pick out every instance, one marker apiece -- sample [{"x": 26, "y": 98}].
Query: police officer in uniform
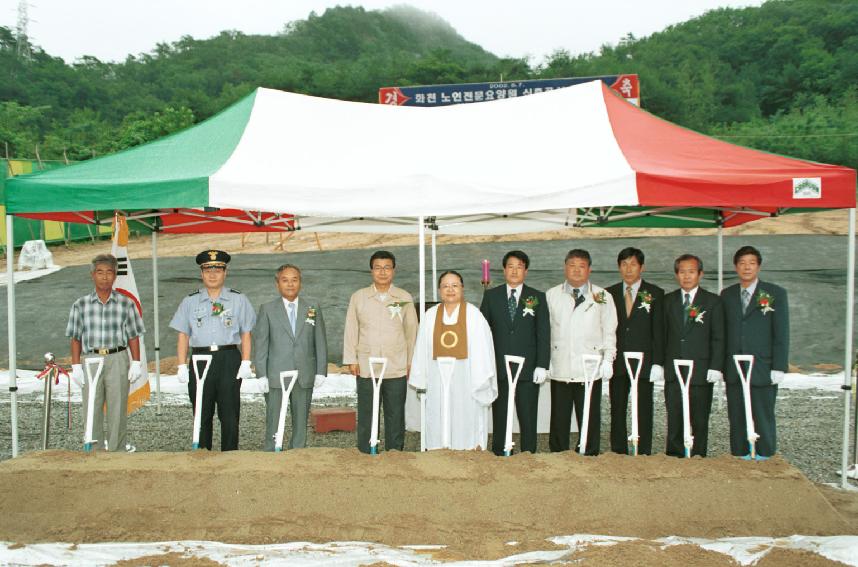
[{"x": 216, "y": 320}]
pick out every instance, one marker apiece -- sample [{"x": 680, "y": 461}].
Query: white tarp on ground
[
  {"x": 744, "y": 550},
  {"x": 519, "y": 156}
]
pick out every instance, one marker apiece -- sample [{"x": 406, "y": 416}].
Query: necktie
[
  {"x": 579, "y": 298},
  {"x": 629, "y": 301},
  {"x": 746, "y": 299},
  {"x": 292, "y": 316},
  {"x": 511, "y": 305},
  {"x": 686, "y": 303}
]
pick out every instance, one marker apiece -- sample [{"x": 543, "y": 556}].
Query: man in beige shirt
[{"x": 381, "y": 321}]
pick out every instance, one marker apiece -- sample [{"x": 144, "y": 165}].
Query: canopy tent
[{"x": 578, "y": 156}]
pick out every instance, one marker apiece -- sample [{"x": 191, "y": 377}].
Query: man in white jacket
[{"x": 583, "y": 321}]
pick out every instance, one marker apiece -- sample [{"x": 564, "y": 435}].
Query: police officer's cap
[{"x": 217, "y": 258}]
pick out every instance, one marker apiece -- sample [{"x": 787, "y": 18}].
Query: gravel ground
[{"x": 810, "y": 428}]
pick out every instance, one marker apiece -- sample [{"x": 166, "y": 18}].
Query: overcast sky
[{"x": 112, "y": 29}]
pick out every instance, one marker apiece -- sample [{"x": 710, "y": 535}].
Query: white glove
[
  {"x": 77, "y": 375},
  {"x": 606, "y": 370},
  {"x": 182, "y": 375},
  {"x": 713, "y": 376},
  {"x": 262, "y": 385},
  {"x": 319, "y": 381},
  {"x": 244, "y": 370},
  {"x": 135, "y": 371},
  {"x": 539, "y": 375},
  {"x": 656, "y": 374},
  {"x": 777, "y": 377}
]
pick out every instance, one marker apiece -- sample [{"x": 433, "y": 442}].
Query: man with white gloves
[
  {"x": 694, "y": 323},
  {"x": 289, "y": 335},
  {"x": 756, "y": 315},
  {"x": 216, "y": 321},
  {"x": 106, "y": 324},
  {"x": 640, "y": 328},
  {"x": 518, "y": 317},
  {"x": 583, "y": 321}
]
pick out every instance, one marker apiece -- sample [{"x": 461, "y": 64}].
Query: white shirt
[
  {"x": 518, "y": 290},
  {"x": 692, "y": 293}
]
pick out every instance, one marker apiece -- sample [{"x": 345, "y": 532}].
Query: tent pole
[
  {"x": 434, "y": 268},
  {"x": 847, "y": 366},
  {"x": 720, "y": 258},
  {"x": 13, "y": 351},
  {"x": 421, "y": 232},
  {"x": 157, "y": 322}
]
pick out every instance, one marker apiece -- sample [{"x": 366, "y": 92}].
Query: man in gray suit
[{"x": 289, "y": 335}]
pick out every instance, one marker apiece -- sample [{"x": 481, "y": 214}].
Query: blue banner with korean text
[{"x": 442, "y": 95}]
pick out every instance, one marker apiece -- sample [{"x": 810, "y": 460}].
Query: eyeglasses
[
  {"x": 451, "y": 286},
  {"x": 382, "y": 268},
  {"x": 213, "y": 269}
]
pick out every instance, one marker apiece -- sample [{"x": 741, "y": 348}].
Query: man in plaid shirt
[{"x": 106, "y": 323}]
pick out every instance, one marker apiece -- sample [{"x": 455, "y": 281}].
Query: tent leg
[
  {"x": 434, "y": 269},
  {"x": 720, "y": 258},
  {"x": 13, "y": 351},
  {"x": 421, "y": 232},
  {"x": 157, "y": 322},
  {"x": 847, "y": 366}
]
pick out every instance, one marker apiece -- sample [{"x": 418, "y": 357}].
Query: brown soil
[
  {"x": 173, "y": 245},
  {"x": 472, "y": 502}
]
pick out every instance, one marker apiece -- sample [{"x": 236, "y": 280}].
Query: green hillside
[{"x": 782, "y": 77}]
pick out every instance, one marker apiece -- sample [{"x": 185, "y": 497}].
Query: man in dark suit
[
  {"x": 694, "y": 330},
  {"x": 640, "y": 328},
  {"x": 518, "y": 317},
  {"x": 757, "y": 322}
]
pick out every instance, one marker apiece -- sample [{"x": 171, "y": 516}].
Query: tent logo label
[{"x": 807, "y": 188}]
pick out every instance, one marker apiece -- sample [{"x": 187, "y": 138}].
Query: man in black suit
[
  {"x": 640, "y": 328},
  {"x": 518, "y": 317},
  {"x": 757, "y": 323},
  {"x": 694, "y": 329}
]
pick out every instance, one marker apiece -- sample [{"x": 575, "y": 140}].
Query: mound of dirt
[{"x": 472, "y": 502}]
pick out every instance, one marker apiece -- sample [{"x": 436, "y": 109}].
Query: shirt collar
[
  {"x": 204, "y": 296},
  {"x": 286, "y": 302},
  {"x": 751, "y": 288},
  {"x": 518, "y": 289},
  {"x": 692, "y": 293},
  {"x": 635, "y": 287},
  {"x": 567, "y": 287},
  {"x": 93, "y": 297}
]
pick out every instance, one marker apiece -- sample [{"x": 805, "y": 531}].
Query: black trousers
[
  {"x": 762, "y": 410},
  {"x": 392, "y": 401},
  {"x": 565, "y": 396},
  {"x": 526, "y": 408},
  {"x": 620, "y": 392},
  {"x": 700, "y": 398},
  {"x": 221, "y": 389}
]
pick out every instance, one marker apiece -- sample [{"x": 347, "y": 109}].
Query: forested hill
[{"x": 782, "y": 77}]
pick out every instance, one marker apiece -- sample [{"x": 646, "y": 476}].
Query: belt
[
  {"x": 103, "y": 351},
  {"x": 212, "y": 348}
]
